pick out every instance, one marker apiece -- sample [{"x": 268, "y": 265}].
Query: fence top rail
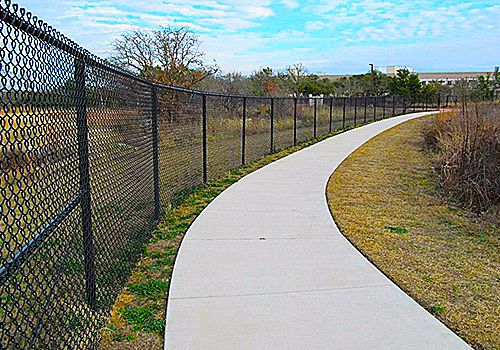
[{"x": 20, "y": 18}]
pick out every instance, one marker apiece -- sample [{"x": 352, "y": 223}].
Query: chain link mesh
[
  {"x": 322, "y": 116},
  {"x": 180, "y": 143},
  {"x": 258, "y": 128},
  {"x": 305, "y": 119},
  {"x": 224, "y": 129},
  {"x": 283, "y": 133},
  {"x": 337, "y": 108},
  {"x": 90, "y": 153},
  {"x": 349, "y": 112}
]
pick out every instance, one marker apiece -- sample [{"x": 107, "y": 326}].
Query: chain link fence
[{"x": 89, "y": 156}]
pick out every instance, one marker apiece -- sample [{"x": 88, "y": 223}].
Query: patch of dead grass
[{"x": 386, "y": 201}]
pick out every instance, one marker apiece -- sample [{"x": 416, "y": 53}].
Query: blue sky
[{"x": 335, "y": 36}]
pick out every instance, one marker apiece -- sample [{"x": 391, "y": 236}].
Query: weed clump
[{"x": 467, "y": 146}]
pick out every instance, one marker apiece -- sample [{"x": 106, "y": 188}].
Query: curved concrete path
[{"x": 265, "y": 267}]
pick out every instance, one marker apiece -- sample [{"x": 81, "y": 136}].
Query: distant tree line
[{"x": 172, "y": 55}]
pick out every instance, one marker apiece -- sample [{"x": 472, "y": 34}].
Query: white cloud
[
  {"x": 105, "y": 11},
  {"x": 315, "y": 25},
  {"x": 257, "y": 11},
  {"x": 203, "y": 16},
  {"x": 368, "y": 20},
  {"x": 293, "y": 4},
  {"x": 156, "y": 20},
  {"x": 229, "y": 24},
  {"x": 339, "y": 34}
]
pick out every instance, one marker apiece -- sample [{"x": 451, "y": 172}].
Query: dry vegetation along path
[{"x": 388, "y": 204}]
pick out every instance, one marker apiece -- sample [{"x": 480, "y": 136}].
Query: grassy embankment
[{"x": 387, "y": 202}]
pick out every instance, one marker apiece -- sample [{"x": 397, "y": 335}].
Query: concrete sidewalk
[{"x": 265, "y": 267}]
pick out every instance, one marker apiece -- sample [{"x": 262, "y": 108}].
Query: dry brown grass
[
  {"x": 467, "y": 144},
  {"x": 385, "y": 200}
]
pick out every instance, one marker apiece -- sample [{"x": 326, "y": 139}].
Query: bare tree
[
  {"x": 167, "y": 55},
  {"x": 135, "y": 51},
  {"x": 296, "y": 75}
]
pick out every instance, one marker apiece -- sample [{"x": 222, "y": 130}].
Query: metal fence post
[
  {"x": 355, "y": 109},
  {"x": 374, "y": 107},
  {"x": 447, "y": 100},
  {"x": 393, "y": 106},
  {"x": 156, "y": 167},
  {"x": 83, "y": 167},
  {"x": 272, "y": 125},
  {"x": 366, "y": 107},
  {"x": 343, "y": 112},
  {"x": 243, "y": 131},
  {"x": 295, "y": 121},
  {"x": 315, "y": 116},
  {"x": 438, "y": 101},
  {"x": 404, "y": 105},
  {"x": 204, "y": 136},
  {"x": 331, "y": 115},
  {"x": 383, "y": 107}
]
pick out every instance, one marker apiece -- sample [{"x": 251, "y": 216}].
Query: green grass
[
  {"x": 143, "y": 318},
  {"x": 397, "y": 229},
  {"x": 437, "y": 309},
  {"x": 150, "y": 289},
  {"x": 389, "y": 205}
]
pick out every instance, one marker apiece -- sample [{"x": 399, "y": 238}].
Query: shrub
[{"x": 467, "y": 145}]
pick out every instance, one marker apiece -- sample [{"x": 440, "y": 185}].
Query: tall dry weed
[{"x": 467, "y": 144}]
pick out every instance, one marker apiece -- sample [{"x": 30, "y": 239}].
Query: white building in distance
[{"x": 446, "y": 78}]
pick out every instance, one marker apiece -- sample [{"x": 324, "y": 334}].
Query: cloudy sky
[{"x": 330, "y": 36}]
